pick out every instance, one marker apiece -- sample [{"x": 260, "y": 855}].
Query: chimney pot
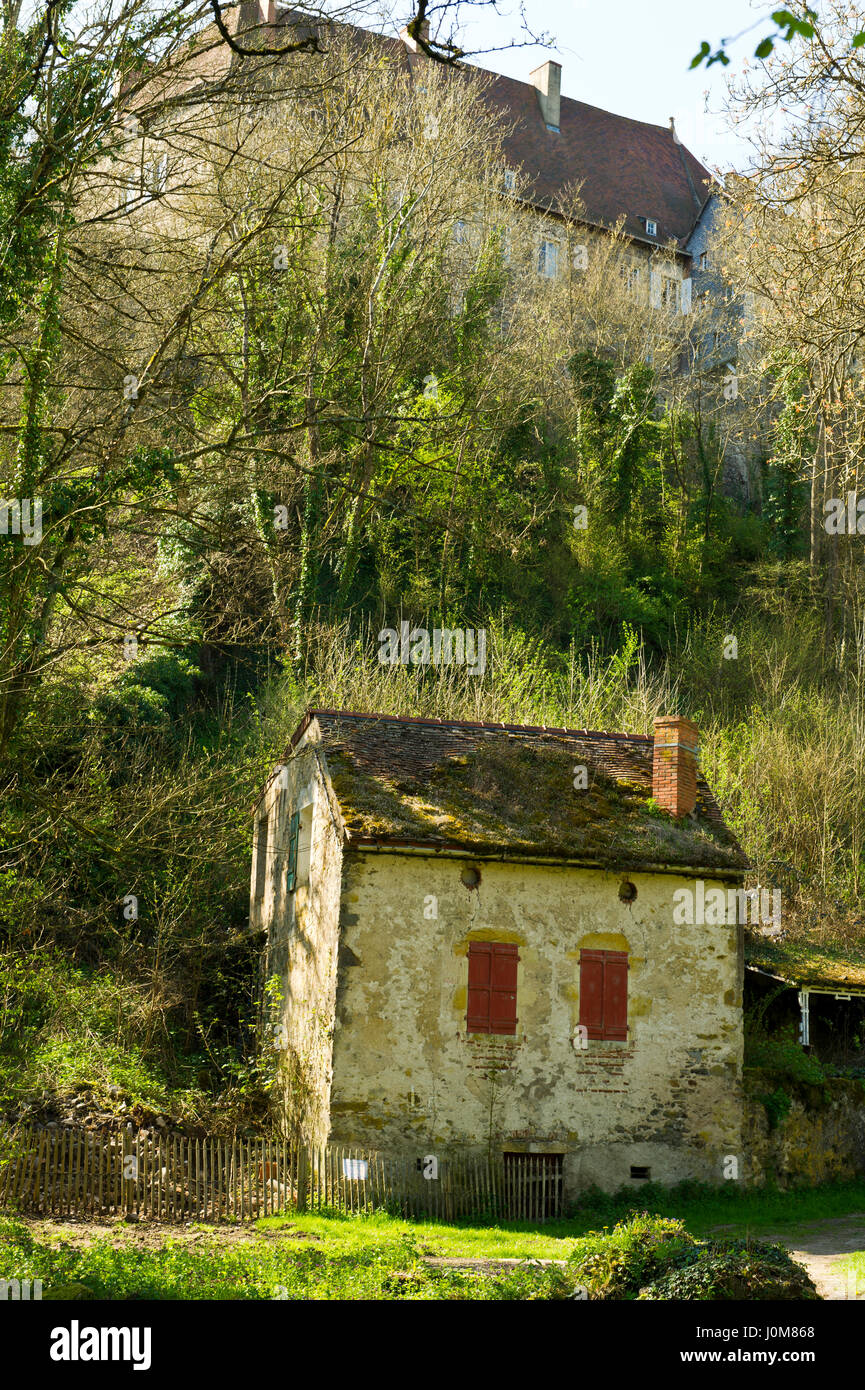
[
  {"x": 547, "y": 79},
  {"x": 412, "y": 44},
  {"x": 674, "y": 764}
]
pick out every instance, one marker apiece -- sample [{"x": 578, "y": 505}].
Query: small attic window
[
  {"x": 651, "y": 227},
  {"x": 509, "y": 178}
]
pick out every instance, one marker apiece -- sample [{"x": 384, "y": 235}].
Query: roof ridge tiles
[{"x": 437, "y": 722}]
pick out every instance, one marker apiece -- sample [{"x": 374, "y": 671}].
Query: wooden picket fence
[{"x": 172, "y": 1178}]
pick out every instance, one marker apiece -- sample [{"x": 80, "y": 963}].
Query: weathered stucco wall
[
  {"x": 407, "y": 1077},
  {"x": 821, "y": 1139},
  {"x": 303, "y": 941}
]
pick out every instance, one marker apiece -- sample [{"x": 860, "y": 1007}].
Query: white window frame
[
  {"x": 651, "y": 227},
  {"x": 509, "y": 180},
  {"x": 262, "y": 857},
  {"x": 548, "y": 265},
  {"x": 631, "y": 277},
  {"x": 304, "y": 843},
  {"x": 671, "y": 293}
]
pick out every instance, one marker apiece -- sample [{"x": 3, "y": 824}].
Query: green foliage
[
  {"x": 737, "y": 1270},
  {"x": 783, "y": 1053},
  {"x": 149, "y": 698},
  {"x": 777, "y": 1105},
  {"x": 616, "y": 1264},
  {"x": 651, "y": 1257}
]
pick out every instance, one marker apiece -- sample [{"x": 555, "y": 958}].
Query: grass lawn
[{"x": 330, "y": 1255}]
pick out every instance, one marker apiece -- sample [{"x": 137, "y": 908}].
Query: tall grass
[{"x": 782, "y": 728}]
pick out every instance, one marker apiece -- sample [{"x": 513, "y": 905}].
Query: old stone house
[{"x": 473, "y": 935}]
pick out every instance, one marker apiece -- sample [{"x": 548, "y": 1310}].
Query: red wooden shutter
[
  {"x": 480, "y": 970},
  {"x": 492, "y": 994},
  {"x": 604, "y": 994},
  {"x": 592, "y": 992},
  {"x": 616, "y": 995},
  {"x": 503, "y": 996}
]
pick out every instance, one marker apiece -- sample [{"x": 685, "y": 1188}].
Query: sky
[{"x": 632, "y": 57}]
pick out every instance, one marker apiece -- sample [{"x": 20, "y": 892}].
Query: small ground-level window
[
  {"x": 640, "y": 1174},
  {"x": 492, "y": 994},
  {"x": 533, "y": 1184}
]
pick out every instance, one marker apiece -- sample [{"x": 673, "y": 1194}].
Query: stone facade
[
  {"x": 407, "y": 1076},
  {"x": 820, "y": 1138}
]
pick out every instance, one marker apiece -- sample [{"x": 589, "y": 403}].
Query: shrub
[
  {"x": 651, "y": 1257},
  {"x": 618, "y": 1263},
  {"x": 777, "y": 1107},
  {"x": 736, "y": 1270}
]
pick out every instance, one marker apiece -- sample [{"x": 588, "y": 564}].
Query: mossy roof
[
  {"x": 800, "y": 963},
  {"x": 494, "y": 788}
]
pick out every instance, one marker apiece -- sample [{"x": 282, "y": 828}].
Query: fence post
[
  {"x": 302, "y": 1178},
  {"x": 126, "y": 1189}
]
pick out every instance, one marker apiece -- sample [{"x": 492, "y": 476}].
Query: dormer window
[
  {"x": 509, "y": 178},
  {"x": 651, "y": 227},
  {"x": 704, "y": 260}
]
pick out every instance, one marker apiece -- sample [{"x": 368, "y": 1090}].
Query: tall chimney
[
  {"x": 412, "y": 44},
  {"x": 674, "y": 764},
  {"x": 548, "y": 81}
]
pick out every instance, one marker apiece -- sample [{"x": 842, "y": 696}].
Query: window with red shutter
[
  {"x": 492, "y": 998},
  {"x": 604, "y": 994}
]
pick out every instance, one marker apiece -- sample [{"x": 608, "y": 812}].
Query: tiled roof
[
  {"x": 509, "y": 788},
  {"x": 624, "y": 167}
]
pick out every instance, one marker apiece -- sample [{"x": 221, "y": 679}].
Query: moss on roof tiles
[
  {"x": 517, "y": 795},
  {"x": 800, "y": 962}
]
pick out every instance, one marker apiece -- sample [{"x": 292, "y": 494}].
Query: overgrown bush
[
  {"x": 652, "y": 1257},
  {"x": 738, "y": 1270}
]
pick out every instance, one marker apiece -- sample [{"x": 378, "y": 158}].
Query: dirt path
[
  {"x": 819, "y": 1245},
  {"x": 152, "y": 1235}
]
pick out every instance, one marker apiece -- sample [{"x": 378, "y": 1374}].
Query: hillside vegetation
[{"x": 295, "y": 391}]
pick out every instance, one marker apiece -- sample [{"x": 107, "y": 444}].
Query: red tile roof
[{"x": 624, "y": 167}]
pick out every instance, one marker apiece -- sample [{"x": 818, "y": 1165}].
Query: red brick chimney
[{"x": 674, "y": 764}]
